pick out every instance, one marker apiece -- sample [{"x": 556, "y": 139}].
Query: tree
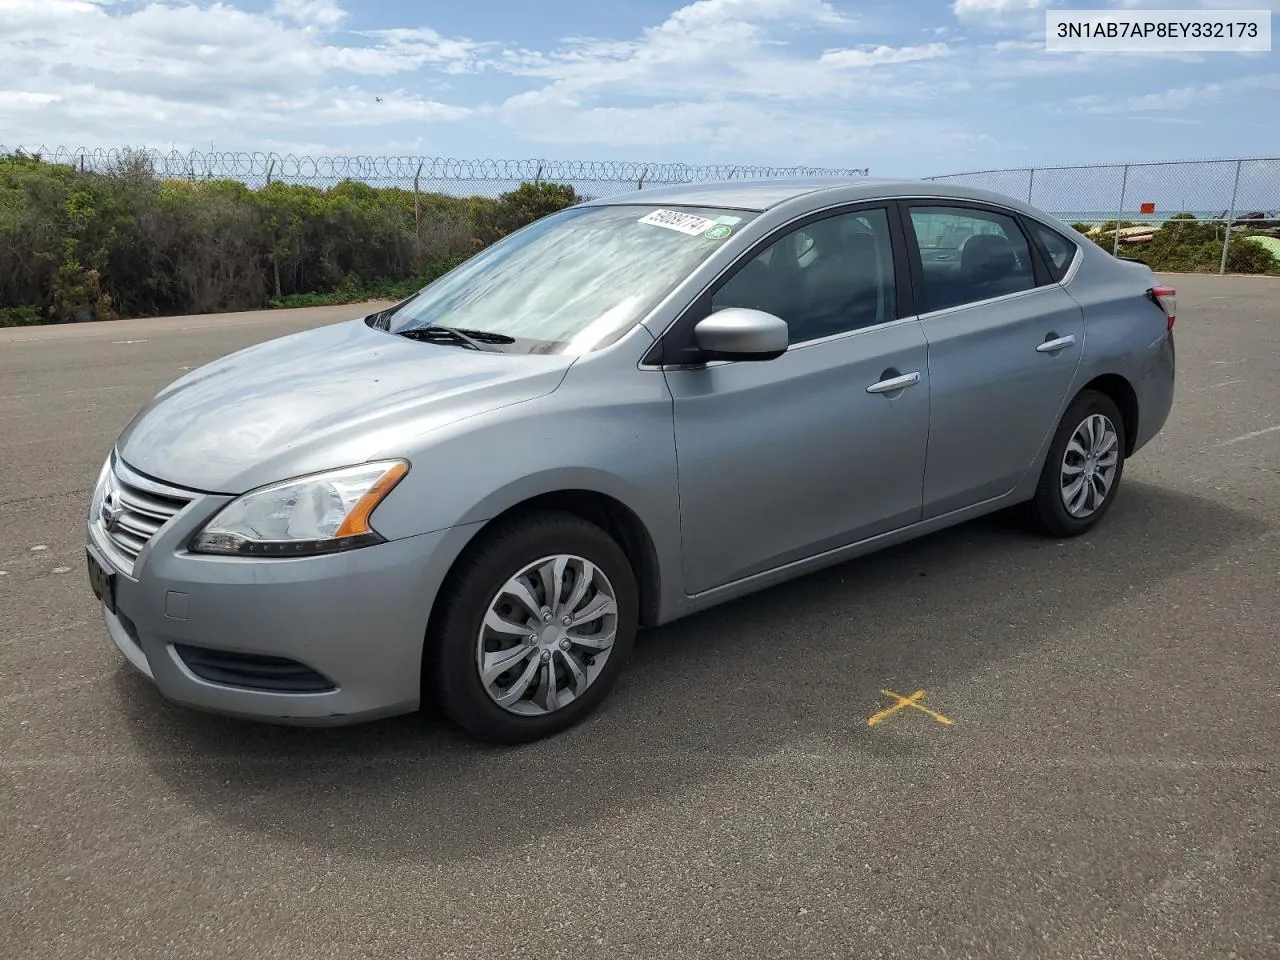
[{"x": 520, "y": 207}]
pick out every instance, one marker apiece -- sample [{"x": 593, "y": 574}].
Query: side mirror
[{"x": 737, "y": 333}]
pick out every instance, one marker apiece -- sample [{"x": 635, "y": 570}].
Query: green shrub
[
  {"x": 20, "y": 317},
  {"x": 56, "y": 230},
  {"x": 1246, "y": 257},
  {"x": 78, "y": 245},
  {"x": 1185, "y": 245},
  {"x": 518, "y": 208}
]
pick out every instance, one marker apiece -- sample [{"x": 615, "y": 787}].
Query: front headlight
[
  {"x": 99, "y": 490},
  {"x": 322, "y": 513}
]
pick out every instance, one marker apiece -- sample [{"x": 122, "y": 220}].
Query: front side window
[
  {"x": 969, "y": 255},
  {"x": 828, "y": 277},
  {"x": 570, "y": 283}
]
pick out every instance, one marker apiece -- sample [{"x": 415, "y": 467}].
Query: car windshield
[{"x": 572, "y": 282}]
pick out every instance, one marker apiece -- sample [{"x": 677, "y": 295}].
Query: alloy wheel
[
  {"x": 547, "y": 635},
  {"x": 1089, "y": 466}
]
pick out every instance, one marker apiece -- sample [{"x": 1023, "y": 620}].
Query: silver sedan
[{"x": 629, "y": 411}]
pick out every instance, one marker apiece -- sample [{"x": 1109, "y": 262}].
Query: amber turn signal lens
[{"x": 357, "y": 521}]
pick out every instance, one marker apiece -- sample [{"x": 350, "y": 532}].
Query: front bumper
[{"x": 358, "y": 619}]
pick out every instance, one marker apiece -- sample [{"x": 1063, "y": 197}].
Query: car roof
[{"x": 761, "y": 195}]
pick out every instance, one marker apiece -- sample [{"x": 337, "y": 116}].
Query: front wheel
[
  {"x": 535, "y": 624},
  {"x": 1082, "y": 472}
]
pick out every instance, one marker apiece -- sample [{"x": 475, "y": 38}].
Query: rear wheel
[
  {"x": 535, "y": 624},
  {"x": 1082, "y": 472}
]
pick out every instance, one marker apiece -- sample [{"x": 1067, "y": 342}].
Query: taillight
[{"x": 1166, "y": 298}]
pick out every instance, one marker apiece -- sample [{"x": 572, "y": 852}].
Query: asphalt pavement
[{"x": 1108, "y": 785}]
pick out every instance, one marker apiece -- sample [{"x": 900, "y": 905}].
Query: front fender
[{"x": 621, "y": 447}]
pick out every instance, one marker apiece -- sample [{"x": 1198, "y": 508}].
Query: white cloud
[
  {"x": 321, "y": 13},
  {"x": 411, "y": 48},
  {"x": 1092, "y": 63},
  {"x": 780, "y": 81},
  {"x": 883, "y": 54},
  {"x": 1178, "y": 98},
  {"x": 674, "y": 83},
  {"x": 672, "y": 86},
  {"x": 999, "y": 12},
  {"x": 83, "y": 73},
  {"x": 705, "y": 17},
  {"x": 696, "y": 36},
  {"x": 352, "y": 108},
  {"x": 1273, "y": 5},
  {"x": 726, "y": 131}
]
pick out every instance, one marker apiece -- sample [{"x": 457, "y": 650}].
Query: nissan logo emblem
[{"x": 112, "y": 510}]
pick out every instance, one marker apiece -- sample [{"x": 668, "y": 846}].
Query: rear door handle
[
  {"x": 894, "y": 384},
  {"x": 1053, "y": 346}
]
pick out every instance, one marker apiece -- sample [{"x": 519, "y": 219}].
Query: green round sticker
[{"x": 718, "y": 232}]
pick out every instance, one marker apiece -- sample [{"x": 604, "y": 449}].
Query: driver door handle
[
  {"x": 894, "y": 384},
  {"x": 1053, "y": 346}
]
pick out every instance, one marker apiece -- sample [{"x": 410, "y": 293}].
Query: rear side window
[
  {"x": 969, "y": 255},
  {"x": 1057, "y": 250}
]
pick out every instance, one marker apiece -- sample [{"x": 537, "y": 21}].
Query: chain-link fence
[
  {"x": 92, "y": 234},
  {"x": 589, "y": 178},
  {"x": 1134, "y": 200}
]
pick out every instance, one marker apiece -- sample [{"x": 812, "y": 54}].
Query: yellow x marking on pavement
[{"x": 912, "y": 701}]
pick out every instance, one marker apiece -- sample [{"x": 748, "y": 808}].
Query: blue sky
[{"x": 911, "y": 87}]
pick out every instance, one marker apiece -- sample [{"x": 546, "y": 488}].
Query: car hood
[{"x": 319, "y": 399}]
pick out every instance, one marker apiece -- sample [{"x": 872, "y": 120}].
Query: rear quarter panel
[{"x": 1126, "y": 335}]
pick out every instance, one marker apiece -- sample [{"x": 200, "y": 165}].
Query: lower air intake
[{"x": 252, "y": 671}]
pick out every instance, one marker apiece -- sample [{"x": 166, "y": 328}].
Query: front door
[{"x": 784, "y": 459}]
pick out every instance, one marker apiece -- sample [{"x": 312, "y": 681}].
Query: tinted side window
[
  {"x": 824, "y": 278},
  {"x": 1058, "y": 251},
  {"x": 969, "y": 255}
]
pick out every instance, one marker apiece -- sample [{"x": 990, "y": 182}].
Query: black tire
[
  {"x": 1046, "y": 510},
  {"x": 498, "y": 554}
]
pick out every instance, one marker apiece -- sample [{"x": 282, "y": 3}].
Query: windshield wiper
[
  {"x": 483, "y": 336},
  {"x": 471, "y": 339}
]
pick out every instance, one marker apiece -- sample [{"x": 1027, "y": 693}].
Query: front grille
[
  {"x": 133, "y": 509},
  {"x": 253, "y": 671}
]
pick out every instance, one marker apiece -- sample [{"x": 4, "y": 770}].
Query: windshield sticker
[
  {"x": 718, "y": 232},
  {"x": 731, "y": 221},
  {"x": 685, "y": 223}
]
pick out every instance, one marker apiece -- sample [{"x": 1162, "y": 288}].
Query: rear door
[{"x": 1005, "y": 340}]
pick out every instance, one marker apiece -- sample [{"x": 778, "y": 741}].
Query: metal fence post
[
  {"x": 417, "y": 216},
  {"x": 1124, "y": 185},
  {"x": 1031, "y": 184},
  {"x": 1231, "y": 216}
]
